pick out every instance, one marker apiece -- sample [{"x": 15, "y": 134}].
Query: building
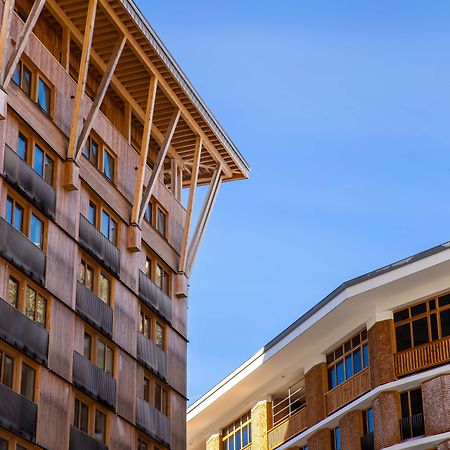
[
  {"x": 100, "y": 132},
  {"x": 367, "y": 368}
]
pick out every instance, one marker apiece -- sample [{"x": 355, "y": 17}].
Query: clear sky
[{"x": 342, "y": 109}]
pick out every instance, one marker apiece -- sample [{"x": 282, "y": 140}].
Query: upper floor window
[
  {"x": 95, "y": 279},
  {"x": 336, "y": 439},
  {"x": 44, "y": 96},
  {"x": 422, "y": 323},
  {"x": 162, "y": 279},
  {"x": 11, "y": 443},
  {"x": 97, "y": 153},
  {"x": 348, "y": 359},
  {"x": 156, "y": 394},
  {"x": 156, "y": 216},
  {"x": 24, "y": 219},
  {"x": 103, "y": 221},
  {"x": 152, "y": 328},
  {"x": 289, "y": 402},
  {"x": 367, "y": 421},
  {"x": 238, "y": 434},
  {"x": 412, "y": 423},
  {"x": 145, "y": 444},
  {"x": 156, "y": 271},
  {"x": 99, "y": 352},
  {"x": 89, "y": 418},
  {"x": 23, "y": 77}
]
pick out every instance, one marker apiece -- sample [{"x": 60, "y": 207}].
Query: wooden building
[
  {"x": 100, "y": 132},
  {"x": 367, "y": 368}
]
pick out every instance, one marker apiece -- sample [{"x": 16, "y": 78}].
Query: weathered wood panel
[
  {"x": 176, "y": 359},
  {"x": 126, "y": 316},
  {"x": 122, "y": 435},
  {"x": 178, "y": 410},
  {"x": 126, "y": 386}
]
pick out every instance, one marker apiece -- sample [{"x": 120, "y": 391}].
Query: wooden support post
[
  {"x": 192, "y": 189},
  {"x": 180, "y": 185},
  {"x": 174, "y": 177},
  {"x": 127, "y": 122},
  {"x": 5, "y": 31},
  {"x": 202, "y": 223},
  {"x": 65, "y": 52},
  {"x": 82, "y": 76},
  {"x": 158, "y": 164},
  {"x": 101, "y": 92},
  {"x": 35, "y": 12}
]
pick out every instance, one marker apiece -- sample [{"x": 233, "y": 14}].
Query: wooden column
[{"x": 5, "y": 31}]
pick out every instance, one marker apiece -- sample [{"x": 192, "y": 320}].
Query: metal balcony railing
[
  {"x": 368, "y": 442},
  {"x": 152, "y": 422},
  {"x": 152, "y": 356},
  {"x": 79, "y": 440},
  {"x": 154, "y": 297},
  {"x": 412, "y": 426}
]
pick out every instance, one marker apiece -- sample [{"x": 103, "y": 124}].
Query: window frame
[
  {"x": 97, "y": 273},
  {"x": 151, "y": 216},
  {"x": 99, "y": 209},
  {"x": 153, "y": 320},
  {"x": 153, "y": 382},
  {"x": 231, "y": 430},
  {"x": 95, "y": 337},
  {"x": 99, "y": 162},
  {"x": 14, "y": 441},
  {"x": 153, "y": 262}
]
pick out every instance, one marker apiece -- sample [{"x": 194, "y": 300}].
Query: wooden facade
[{"x": 79, "y": 77}]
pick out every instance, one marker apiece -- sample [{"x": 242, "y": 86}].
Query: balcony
[
  {"x": 81, "y": 441},
  {"x": 21, "y": 332},
  {"x": 94, "y": 381},
  {"x": 412, "y": 426},
  {"x": 287, "y": 429},
  {"x": 94, "y": 310},
  {"x": 17, "y": 413},
  {"x": 21, "y": 252},
  {"x": 99, "y": 247},
  {"x": 368, "y": 442},
  {"x": 154, "y": 297},
  {"x": 152, "y": 422},
  {"x": 348, "y": 391},
  {"x": 423, "y": 357},
  {"x": 152, "y": 356},
  {"x": 29, "y": 183}
]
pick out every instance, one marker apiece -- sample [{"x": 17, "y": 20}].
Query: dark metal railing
[
  {"x": 17, "y": 413},
  {"x": 20, "y": 251},
  {"x": 99, "y": 246},
  {"x": 412, "y": 426},
  {"x": 82, "y": 441},
  {"x": 152, "y": 422},
  {"x": 24, "y": 334},
  {"x": 94, "y": 381},
  {"x": 368, "y": 442},
  {"x": 94, "y": 310},
  {"x": 152, "y": 356},
  {"x": 154, "y": 297},
  {"x": 29, "y": 183}
]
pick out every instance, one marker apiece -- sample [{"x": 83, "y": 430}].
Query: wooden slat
[
  {"x": 287, "y": 429},
  {"x": 5, "y": 30}
]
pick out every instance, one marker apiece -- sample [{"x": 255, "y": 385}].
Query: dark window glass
[
  {"x": 148, "y": 214},
  {"x": 338, "y": 352},
  {"x": 27, "y": 382},
  {"x": 105, "y": 224},
  {"x": 38, "y": 160},
  {"x": 416, "y": 402},
  {"x": 48, "y": 170},
  {"x": 100, "y": 427},
  {"x": 366, "y": 355},
  {"x": 340, "y": 377},
  {"x": 4, "y": 445},
  {"x": 26, "y": 81},
  {"x": 445, "y": 323},
  {"x": 81, "y": 415},
  {"x": 404, "y": 401},
  {"x": 159, "y": 335},
  {"x": 349, "y": 367},
  {"x": 16, "y": 74},
  {"x": 87, "y": 346},
  {"x": 22, "y": 146},
  {"x": 357, "y": 360},
  {"x": 432, "y": 304},
  {"x": 403, "y": 337},
  {"x": 401, "y": 315},
  {"x": 9, "y": 210},
  {"x": 434, "y": 327},
  {"x": 356, "y": 341},
  {"x": 418, "y": 309},
  {"x": 92, "y": 213},
  {"x": 44, "y": 96},
  {"x": 36, "y": 231},
  {"x": 13, "y": 291},
  {"x": 330, "y": 358},
  {"x": 161, "y": 222},
  {"x": 332, "y": 378},
  {"x": 444, "y": 300},
  {"x": 420, "y": 331},
  {"x": 108, "y": 165}
]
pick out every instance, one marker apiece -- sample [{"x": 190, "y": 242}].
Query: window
[
  {"x": 155, "y": 393},
  {"x": 160, "y": 221},
  {"x": 27, "y": 382},
  {"x": 90, "y": 151},
  {"x": 22, "y": 147},
  {"x": 156, "y": 216},
  {"x": 96, "y": 152},
  {"x": 99, "y": 352},
  {"x": 161, "y": 398},
  {"x": 238, "y": 434},
  {"x": 151, "y": 328},
  {"x": 92, "y": 213},
  {"x": 162, "y": 279},
  {"x": 148, "y": 213},
  {"x": 44, "y": 96},
  {"x": 160, "y": 335},
  {"x": 145, "y": 444},
  {"x": 23, "y": 78},
  {"x": 10, "y": 442},
  {"x": 108, "y": 165},
  {"x": 97, "y": 281},
  {"x": 148, "y": 267},
  {"x": 14, "y": 214},
  {"x": 103, "y": 221},
  {"x": 422, "y": 323},
  {"x": 348, "y": 359},
  {"x": 91, "y": 419},
  {"x": 109, "y": 227},
  {"x": 6, "y": 369},
  {"x": 288, "y": 402},
  {"x": 336, "y": 439},
  {"x": 159, "y": 273},
  {"x": 36, "y": 231},
  {"x": 145, "y": 325},
  {"x": 411, "y": 423},
  {"x": 43, "y": 164},
  {"x": 24, "y": 296},
  {"x": 367, "y": 421}
]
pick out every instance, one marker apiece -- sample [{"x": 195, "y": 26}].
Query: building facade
[
  {"x": 100, "y": 132},
  {"x": 366, "y": 368}
]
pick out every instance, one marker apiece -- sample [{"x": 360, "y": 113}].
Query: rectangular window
[
  {"x": 13, "y": 292},
  {"x": 23, "y": 78},
  {"x": 146, "y": 389},
  {"x": 162, "y": 279},
  {"x": 100, "y": 427},
  {"x": 35, "y": 306},
  {"x": 22, "y": 147},
  {"x": 145, "y": 325},
  {"x": 159, "y": 335},
  {"x": 148, "y": 213},
  {"x": 14, "y": 214},
  {"x": 238, "y": 434},
  {"x": 108, "y": 165},
  {"x": 104, "y": 357},
  {"x": 44, "y": 96},
  {"x": 92, "y": 213},
  {"x": 348, "y": 359},
  {"x": 161, "y": 399},
  {"x": 336, "y": 439},
  {"x": 87, "y": 346},
  {"x": 90, "y": 151},
  {"x": 4, "y": 445},
  {"x": 109, "y": 227},
  {"x": 105, "y": 289},
  {"x": 160, "y": 221},
  {"x": 27, "y": 382},
  {"x": 148, "y": 267},
  {"x": 367, "y": 421},
  {"x": 38, "y": 160},
  {"x": 81, "y": 416},
  {"x": 6, "y": 369},
  {"x": 87, "y": 275},
  {"x": 412, "y": 422},
  {"x": 37, "y": 231},
  {"x": 141, "y": 445}
]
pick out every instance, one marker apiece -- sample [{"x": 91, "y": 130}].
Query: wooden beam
[
  {"x": 95, "y": 107},
  {"x": 158, "y": 164},
  {"x": 191, "y": 200},
  {"x": 143, "y": 57},
  {"x": 82, "y": 76},
  {"x": 65, "y": 52},
  {"x": 151, "y": 99},
  {"x": 203, "y": 220},
  {"x": 22, "y": 41},
  {"x": 5, "y": 31},
  {"x": 174, "y": 177}
]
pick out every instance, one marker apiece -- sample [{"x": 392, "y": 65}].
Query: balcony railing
[
  {"x": 287, "y": 429},
  {"x": 98, "y": 246},
  {"x": 154, "y": 297},
  {"x": 24, "y": 334},
  {"x": 348, "y": 391},
  {"x": 94, "y": 310},
  {"x": 17, "y": 413},
  {"x": 152, "y": 422},
  {"x": 29, "y": 183},
  {"x": 423, "y": 357},
  {"x": 93, "y": 381},
  {"x": 368, "y": 442},
  {"x": 152, "y": 356},
  {"x": 412, "y": 426},
  {"x": 21, "y": 252},
  {"x": 81, "y": 441}
]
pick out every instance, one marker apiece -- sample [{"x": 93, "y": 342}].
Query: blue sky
[{"x": 343, "y": 111}]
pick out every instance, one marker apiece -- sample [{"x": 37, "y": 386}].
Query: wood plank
[{"x": 5, "y": 31}]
